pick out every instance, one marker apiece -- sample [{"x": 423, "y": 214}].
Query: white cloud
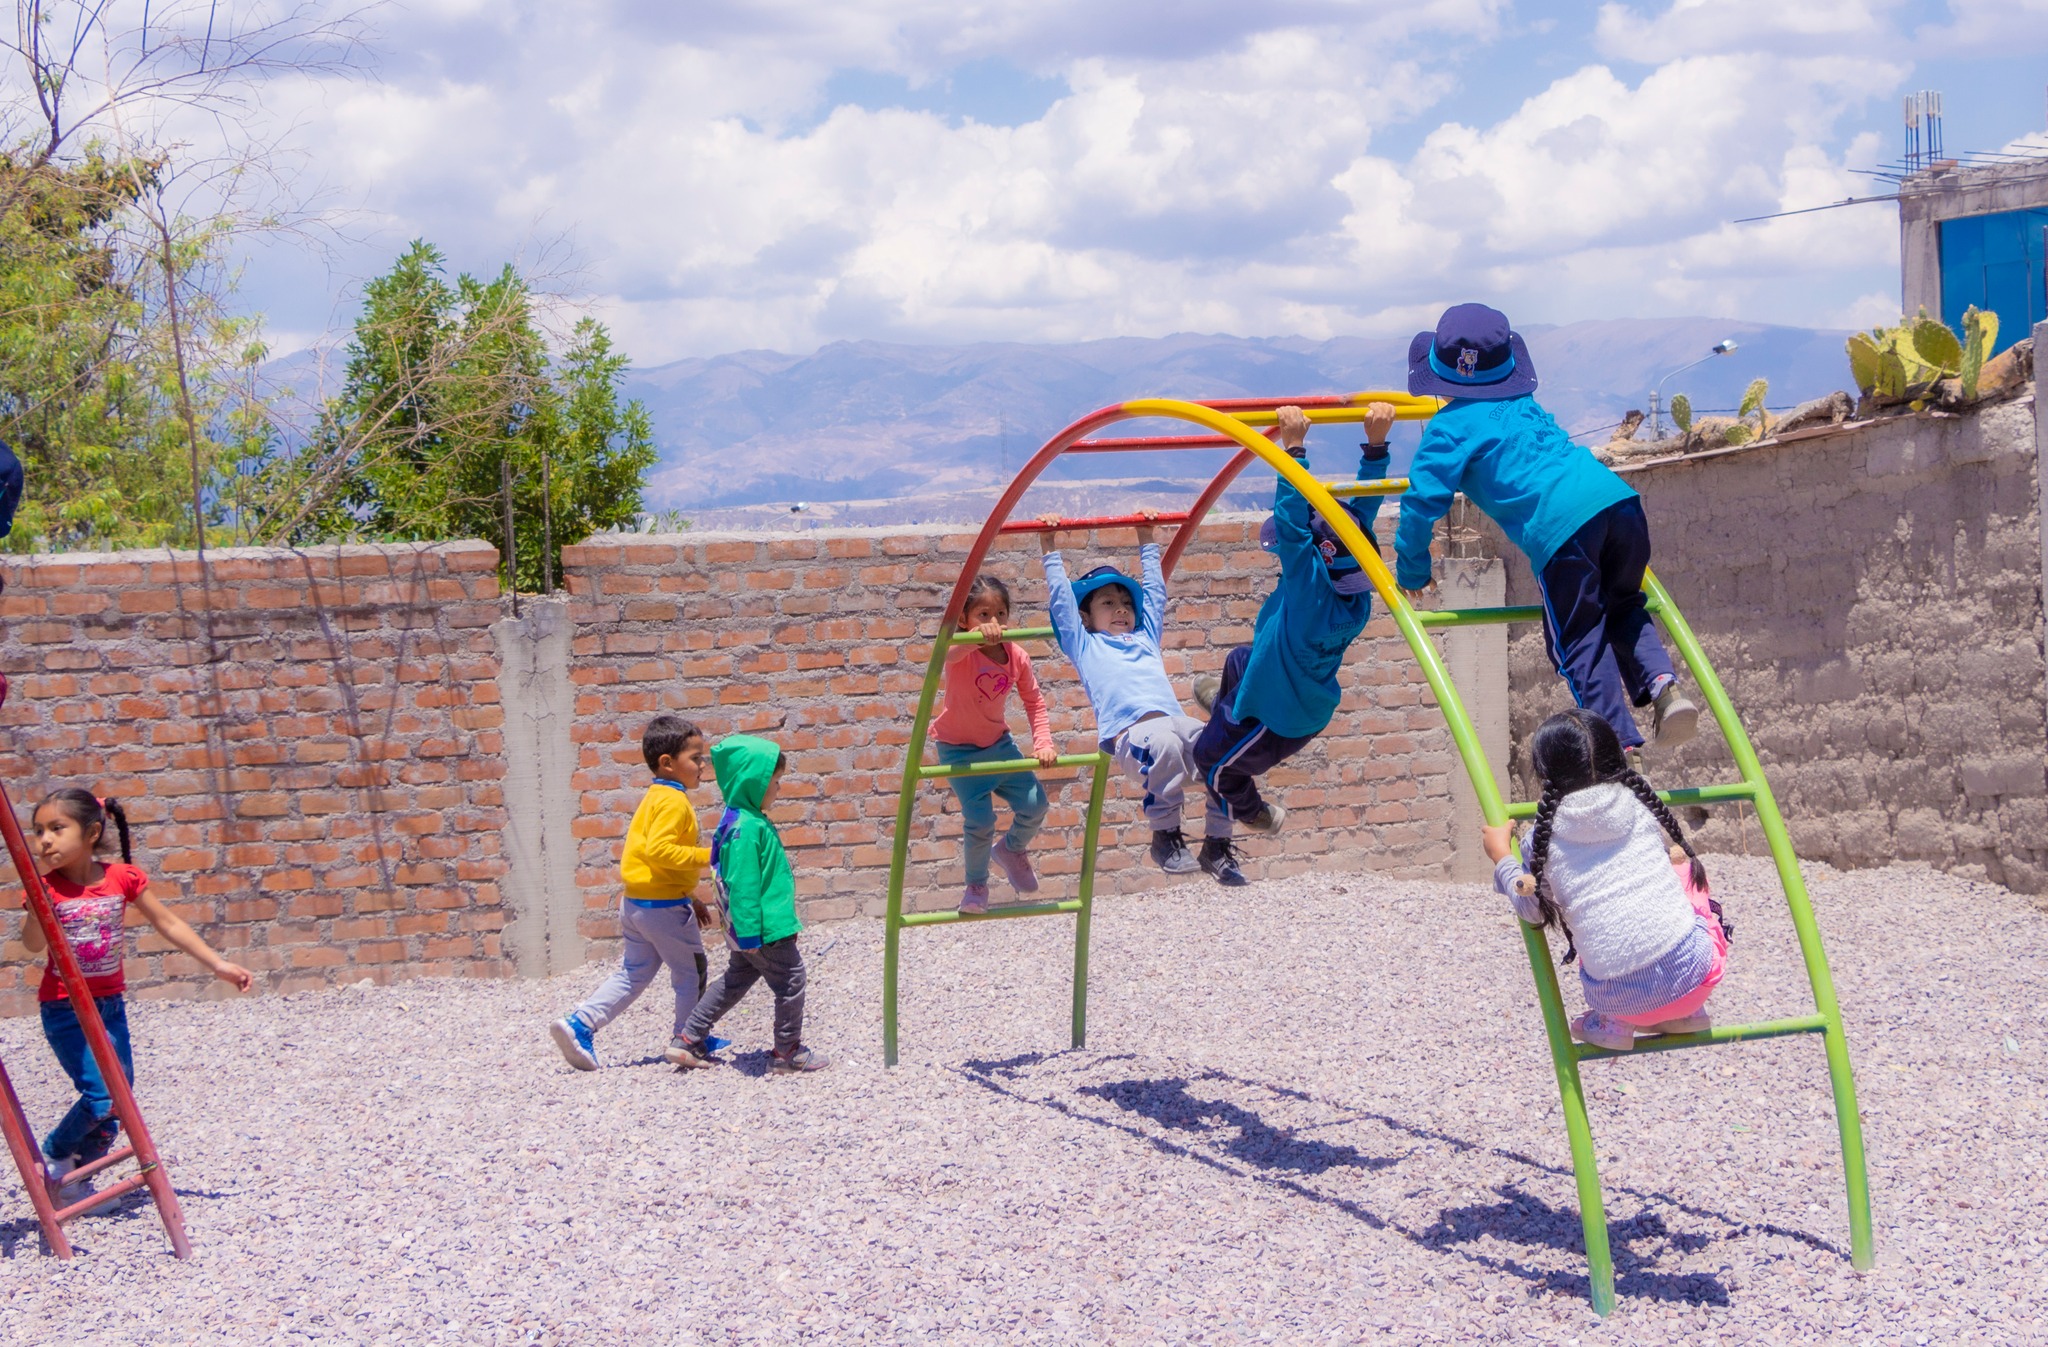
[{"x": 1210, "y": 165}]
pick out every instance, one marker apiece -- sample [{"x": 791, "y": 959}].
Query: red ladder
[{"x": 21, "y": 1139}]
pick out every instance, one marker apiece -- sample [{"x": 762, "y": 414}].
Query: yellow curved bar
[{"x": 1491, "y": 806}]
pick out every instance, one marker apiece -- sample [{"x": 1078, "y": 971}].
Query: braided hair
[
  {"x": 1573, "y": 750},
  {"x": 91, "y": 813}
]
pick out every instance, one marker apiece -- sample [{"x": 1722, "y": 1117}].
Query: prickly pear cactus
[
  {"x": 1980, "y": 334},
  {"x": 1937, "y": 346},
  {"x": 1753, "y": 405},
  {"x": 1681, "y": 412},
  {"x": 1864, "y": 354}
]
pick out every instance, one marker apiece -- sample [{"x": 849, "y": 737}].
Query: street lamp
[{"x": 1656, "y": 421}]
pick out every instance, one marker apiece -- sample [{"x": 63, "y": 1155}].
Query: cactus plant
[
  {"x": 1681, "y": 413},
  {"x": 1753, "y": 405},
  {"x": 1907, "y": 363}
]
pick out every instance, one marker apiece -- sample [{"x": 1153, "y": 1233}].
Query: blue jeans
[
  {"x": 1020, "y": 790},
  {"x": 1594, "y": 623},
  {"x": 93, "y": 1115}
]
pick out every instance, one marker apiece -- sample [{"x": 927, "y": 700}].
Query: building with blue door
[{"x": 1977, "y": 236}]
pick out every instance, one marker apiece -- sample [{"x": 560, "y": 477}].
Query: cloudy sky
[{"x": 785, "y": 173}]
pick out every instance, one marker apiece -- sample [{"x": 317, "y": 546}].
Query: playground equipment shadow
[{"x": 1317, "y": 1109}]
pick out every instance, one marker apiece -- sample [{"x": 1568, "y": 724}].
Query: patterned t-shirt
[{"x": 91, "y": 916}]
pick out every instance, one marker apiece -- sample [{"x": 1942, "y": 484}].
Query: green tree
[{"x": 448, "y": 385}]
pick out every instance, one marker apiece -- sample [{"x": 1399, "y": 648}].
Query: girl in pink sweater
[{"x": 970, "y": 728}]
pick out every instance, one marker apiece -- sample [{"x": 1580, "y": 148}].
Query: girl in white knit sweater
[{"x": 1648, "y": 936}]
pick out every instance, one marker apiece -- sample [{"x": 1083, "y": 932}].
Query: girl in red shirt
[
  {"x": 92, "y": 902},
  {"x": 971, "y": 728}
]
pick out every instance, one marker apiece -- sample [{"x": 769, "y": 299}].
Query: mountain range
[{"x": 874, "y": 432}]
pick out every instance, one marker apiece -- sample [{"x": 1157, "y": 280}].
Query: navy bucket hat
[
  {"x": 1345, "y": 575},
  {"x": 1472, "y": 354},
  {"x": 1102, "y": 577}
]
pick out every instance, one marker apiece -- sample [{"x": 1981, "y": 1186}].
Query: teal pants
[{"x": 978, "y": 794}]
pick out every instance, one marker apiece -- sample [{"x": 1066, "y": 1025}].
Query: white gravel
[{"x": 1315, "y": 1110}]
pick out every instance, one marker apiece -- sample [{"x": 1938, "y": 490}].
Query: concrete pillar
[
  {"x": 541, "y": 899},
  {"x": 1919, "y": 263},
  {"x": 1477, "y": 658}
]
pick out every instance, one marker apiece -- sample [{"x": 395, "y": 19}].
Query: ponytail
[
  {"x": 1539, "y": 856},
  {"x": 116, "y": 812}
]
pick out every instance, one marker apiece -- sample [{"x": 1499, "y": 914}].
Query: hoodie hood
[
  {"x": 1602, "y": 813},
  {"x": 743, "y": 763}
]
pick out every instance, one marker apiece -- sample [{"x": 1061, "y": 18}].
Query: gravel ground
[{"x": 1315, "y": 1110}]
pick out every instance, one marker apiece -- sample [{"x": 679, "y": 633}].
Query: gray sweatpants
[
  {"x": 654, "y": 936},
  {"x": 1159, "y": 754},
  {"x": 780, "y": 966}
]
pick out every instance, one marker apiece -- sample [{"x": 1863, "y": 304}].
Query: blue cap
[{"x": 1103, "y": 576}]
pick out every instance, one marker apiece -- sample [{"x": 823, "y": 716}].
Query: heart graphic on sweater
[{"x": 992, "y": 684}]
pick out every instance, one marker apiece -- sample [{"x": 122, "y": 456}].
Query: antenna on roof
[{"x": 1923, "y": 129}]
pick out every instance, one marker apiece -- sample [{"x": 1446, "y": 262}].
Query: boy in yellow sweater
[{"x": 659, "y": 920}]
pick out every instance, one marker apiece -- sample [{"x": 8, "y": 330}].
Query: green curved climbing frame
[{"x": 1235, "y": 423}]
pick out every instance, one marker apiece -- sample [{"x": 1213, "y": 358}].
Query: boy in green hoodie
[{"x": 758, "y": 894}]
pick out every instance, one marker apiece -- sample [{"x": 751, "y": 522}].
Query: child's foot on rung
[
  {"x": 1016, "y": 867},
  {"x": 1604, "y": 1031},
  {"x": 1267, "y": 820},
  {"x": 1170, "y": 852},
  {"x": 974, "y": 899},
  {"x": 1206, "y": 688},
  {"x": 1219, "y": 860},
  {"x": 1685, "y": 1024},
  {"x": 1674, "y": 720},
  {"x": 573, "y": 1037}
]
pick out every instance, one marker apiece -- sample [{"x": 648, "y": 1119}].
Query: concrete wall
[{"x": 1872, "y": 601}]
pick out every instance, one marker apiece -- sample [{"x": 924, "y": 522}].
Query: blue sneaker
[{"x": 573, "y": 1037}]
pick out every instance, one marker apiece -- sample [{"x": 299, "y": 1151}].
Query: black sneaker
[
  {"x": 1170, "y": 852},
  {"x": 1219, "y": 859}
]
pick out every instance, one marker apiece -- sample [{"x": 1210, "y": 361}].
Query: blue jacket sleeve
[
  {"x": 1059, "y": 601},
  {"x": 1155, "y": 592},
  {"x": 1291, "y": 515},
  {"x": 1432, "y": 481},
  {"x": 1366, "y": 509}
]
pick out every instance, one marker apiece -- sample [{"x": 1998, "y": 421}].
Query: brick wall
[
  {"x": 1872, "y": 601},
  {"x": 307, "y": 744},
  {"x": 821, "y": 641}
]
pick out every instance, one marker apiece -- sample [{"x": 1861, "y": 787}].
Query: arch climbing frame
[{"x": 1237, "y": 422}]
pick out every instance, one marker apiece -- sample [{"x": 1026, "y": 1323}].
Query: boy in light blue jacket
[
  {"x": 1579, "y": 524},
  {"x": 1109, "y": 627},
  {"x": 1278, "y": 693}
]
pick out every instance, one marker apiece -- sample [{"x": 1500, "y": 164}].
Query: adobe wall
[{"x": 1872, "y": 601}]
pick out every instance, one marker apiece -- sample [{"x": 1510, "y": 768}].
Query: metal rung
[
  {"x": 1475, "y": 617},
  {"x": 1012, "y": 765},
  {"x": 1729, "y": 1033},
  {"x": 1014, "y": 634},
  {"x": 1688, "y": 795},
  {"x": 1378, "y": 486},
  {"x": 993, "y": 914},
  {"x": 1105, "y": 521}
]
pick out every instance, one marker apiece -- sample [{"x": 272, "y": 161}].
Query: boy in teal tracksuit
[
  {"x": 1278, "y": 693},
  {"x": 758, "y": 895},
  {"x": 1579, "y": 524}
]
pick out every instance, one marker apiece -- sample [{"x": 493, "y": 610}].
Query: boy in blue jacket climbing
[
  {"x": 1580, "y": 525},
  {"x": 758, "y": 893},
  {"x": 1278, "y": 693}
]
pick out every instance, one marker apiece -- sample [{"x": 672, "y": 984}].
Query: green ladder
[{"x": 1415, "y": 627}]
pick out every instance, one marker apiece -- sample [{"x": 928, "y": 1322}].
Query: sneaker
[
  {"x": 573, "y": 1037},
  {"x": 797, "y": 1062},
  {"x": 1604, "y": 1031},
  {"x": 1266, "y": 821},
  {"x": 684, "y": 1053},
  {"x": 1170, "y": 852},
  {"x": 1696, "y": 1023},
  {"x": 1673, "y": 719},
  {"x": 54, "y": 1172},
  {"x": 974, "y": 899},
  {"x": 1219, "y": 859},
  {"x": 1206, "y": 688},
  {"x": 1016, "y": 867},
  {"x": 65, "y": 1191}
]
